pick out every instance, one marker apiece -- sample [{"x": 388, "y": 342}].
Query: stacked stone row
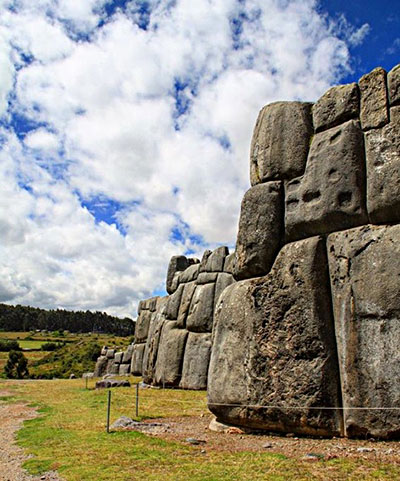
[
  {"x": 178, "y": 345},
  {"x": 314, "y": 325},
  {"x": 113, "y": 362}
]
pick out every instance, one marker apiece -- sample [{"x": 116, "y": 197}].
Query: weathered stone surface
[
  {"x": 206, "y": 277},
  {"x": 374, "y": 108},
  {"x": 337, "y": 105},
  {"x": 331, "y": 194},
  {"x": 215, "y": 262},
  {"x": 383, "y": 171},
  {"x": 187, "y": 296},
  {"x": 273, "y": 345},
  {"x": 137, "y": 359},
  {"x": 260, "y": 230},
  {"x": 204, "y": 259},
  {"x": 173, "y": 303},
  {"x": 152, "y": 343},
  {"x": 110, "y": 353},
  {"x": 394, "y": 85},
  {"x": 200, "y": 316},
  {"x": 364, "y": 267},
  {"x": 124, "y": 369},
  {"x": 280, "y": 141},
  {"x": 196, "y": 360},
  {"x": 101, "y": 366},
  {"x": 111, "y": 383},
  {"x": 190, "y": 274},
  {"x": 170, "y": 355},
  {"x": 175, "y": 282},
  {"x": 104, "y": 350},
  {"x": 229, "y": 264},
  {"x": 152, "y": 303},
  {"x": 113, "y": 368},
  {"x": 176, "y": 264},
  {"x": 224, "y": 280},
  {"x": 142, "y": 325},
  {"x": 127, "y": 355},
  {"x": 118, "y": 357}
]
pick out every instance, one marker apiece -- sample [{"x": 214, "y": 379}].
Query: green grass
[{"x": 70, "y": 436}]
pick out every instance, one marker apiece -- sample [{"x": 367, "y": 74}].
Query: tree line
[{"x": 26, "y": 318}]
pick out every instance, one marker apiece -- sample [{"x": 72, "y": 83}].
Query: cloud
[{"x": 127, "y": 133}]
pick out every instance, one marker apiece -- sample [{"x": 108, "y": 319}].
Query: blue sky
[
  {"x": 381, "y": 46},
  {"x": 125, "y": 129}
]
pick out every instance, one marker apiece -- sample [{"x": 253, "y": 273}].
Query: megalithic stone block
[
  {"x": 260, "y": 230},
  {"x": 374, "y": 105},
  {"x": 274, "y": 363},
  {"x": 280, "y": 141},
  {"x": 330, "y": 196},
  {"x": 196, "y": 360},
  {"x": 383, "y": 171},
  {"x": 176, "y": 264},
  {"x": 338, "y": 105},
  {"x": 364, "y": 266},
  {"x": 170, "y": 355},
  {"x": 200, "y": 315},
  {"x": 142, "y": 325},
  {"x": 153, "y": 341},
  {"x": 394, "y": 85},
  {"x": 137, "y": 359}
]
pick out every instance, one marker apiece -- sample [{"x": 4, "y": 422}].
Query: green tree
[{"x": 16, "y": 366}]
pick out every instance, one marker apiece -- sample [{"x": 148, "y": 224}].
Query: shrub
[
  {"x": 7, "y": 346},
  {"x": 16, "y": 366},
  {"x": 51, "y": 346}
]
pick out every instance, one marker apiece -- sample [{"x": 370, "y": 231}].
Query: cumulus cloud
[{"x": 126, "y": 132}]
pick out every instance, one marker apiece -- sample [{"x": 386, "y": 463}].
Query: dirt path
[{"x": 11, "y": 455}]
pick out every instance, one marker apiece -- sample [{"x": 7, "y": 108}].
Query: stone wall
[
  {"x": 177, "y": 347},
  {"x": 311, "y": 332}
]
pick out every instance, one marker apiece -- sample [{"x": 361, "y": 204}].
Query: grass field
[{"x": 70, "y": 436}]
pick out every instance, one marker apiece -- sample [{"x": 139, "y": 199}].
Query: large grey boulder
[
  {"x": 118, "y": 357},
  {"x": 331, "y": 194},
  {"x": 126, "y": 359},
  {"x": 364, "y": 266},
  {"x": 383, "y": 170},
  {"x": 215, "y": 262},
  {"x": 137, "y": 359},
  {"x": 374, "y": 107},
  {"x": 196, "y": 360},
  {"x": 142, "y": 325},
  {"x": 280, "y": 141},
  {"x": 260, "y": 230},
  {"x": 273, "y": 364},
  {"x": 394, "y": 85},
  {"x": 190, "y": 274},
  {"x": 173, "y": 303},
  {"x": 339, "y": 104},
  {"x": 176, "y": 264},
  {"x": 200, "y": 315},
  {"x": 186, "y": 300},
  {"x": 223, "y": 281},
  {"x": 153, "y": 341},
  {"x": 170, "y": 354},
  {"x": 124, "y": 369},
  {"x": 101, "y": 366}
]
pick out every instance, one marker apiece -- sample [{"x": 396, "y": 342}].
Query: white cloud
[{"x": 107, "y": 124}]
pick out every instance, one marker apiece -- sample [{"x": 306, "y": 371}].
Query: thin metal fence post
[
  {"x": 108, "y": 411},
  {"x": 137, "y": 399}
]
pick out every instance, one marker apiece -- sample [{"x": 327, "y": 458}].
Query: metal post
[
  {"x": 137, "y": 400},
  {"x": 108, "y": 411}
]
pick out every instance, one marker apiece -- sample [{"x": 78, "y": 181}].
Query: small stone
[
  {"x": 365, "y": 450},
  {"x": 267, "y": 445},
  {"x": 290, "y": 435},
  {"x": 195, "y": 441},
  {"x": 313, "y": 456}
]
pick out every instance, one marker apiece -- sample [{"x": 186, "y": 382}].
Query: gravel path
[{"x": 11, "y": 455}]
